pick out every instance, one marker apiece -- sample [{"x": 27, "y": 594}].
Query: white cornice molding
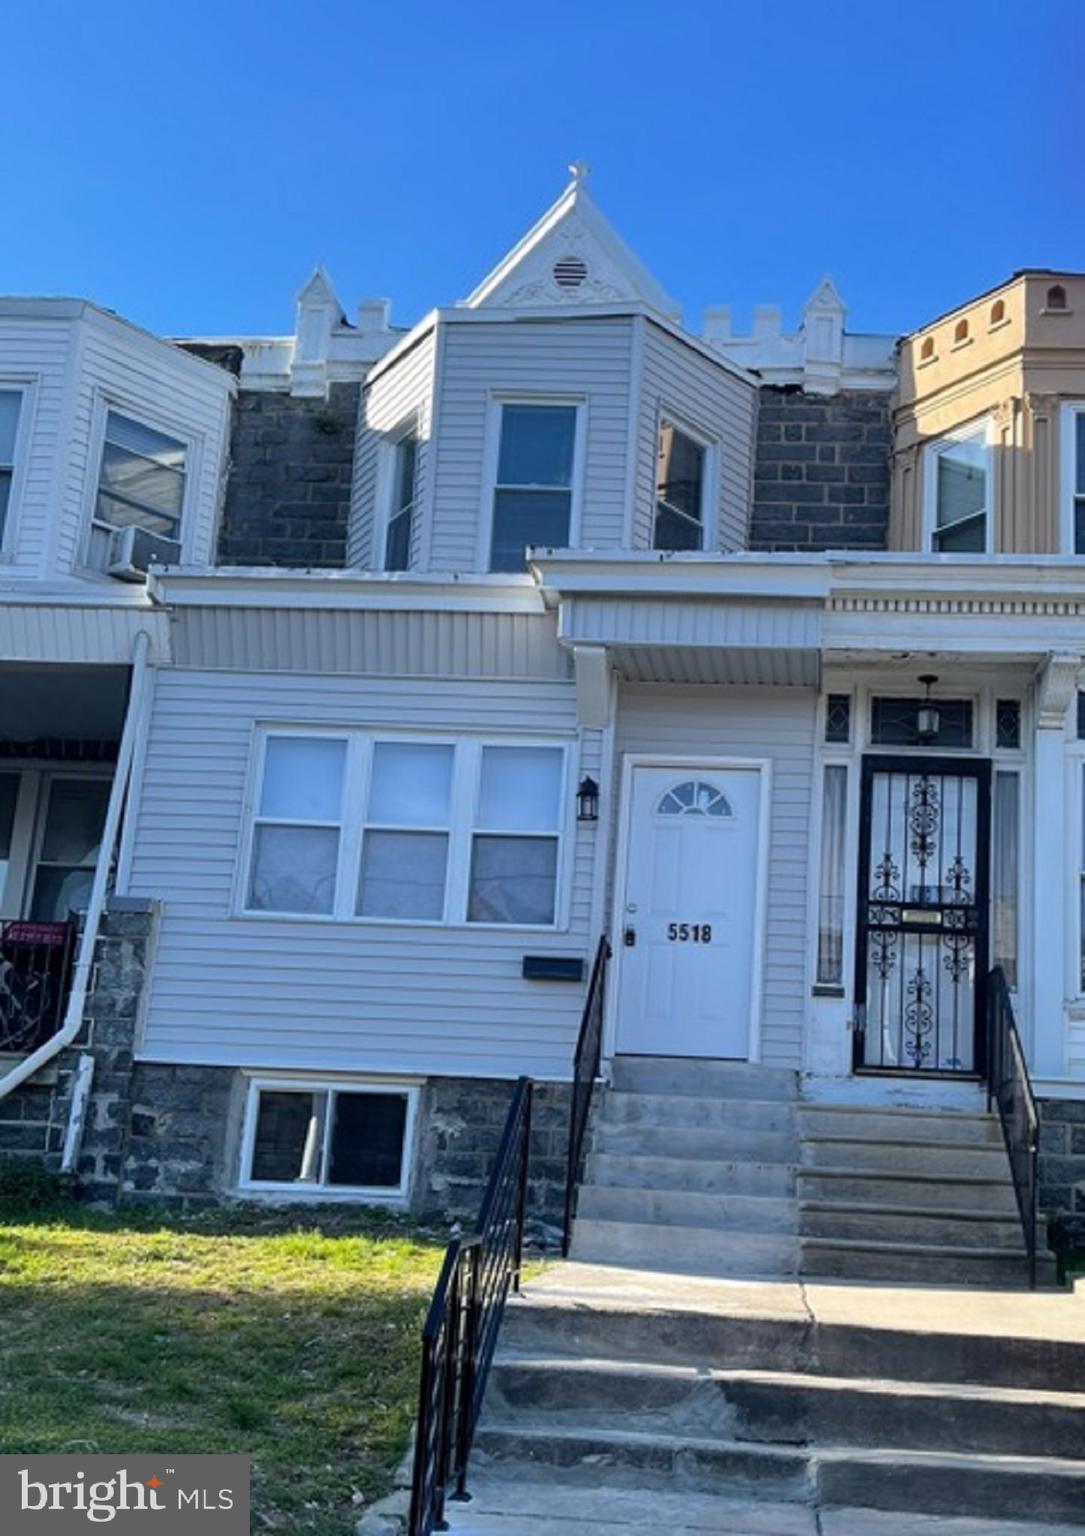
[{"x": 267, "y": 587}]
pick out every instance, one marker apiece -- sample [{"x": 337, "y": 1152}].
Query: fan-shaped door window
[{"x": 694, "y": 798}]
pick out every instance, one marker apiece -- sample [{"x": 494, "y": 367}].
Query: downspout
[{"x": 77, "y": 997}]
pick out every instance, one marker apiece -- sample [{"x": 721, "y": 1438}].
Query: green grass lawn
[{"x": 291, "y": 1338}]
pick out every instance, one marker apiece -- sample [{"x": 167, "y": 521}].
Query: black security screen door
[{"x": 921, "y": 951}]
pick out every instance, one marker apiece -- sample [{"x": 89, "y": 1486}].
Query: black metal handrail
[
  {"x": 460, "y": 1332},
  {"x": 35, "y": 972},
  {"x": 1010, "y": 1088},
  {"x": 589, "y": 1048}
]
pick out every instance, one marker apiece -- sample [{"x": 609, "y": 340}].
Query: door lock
[{"x": 629, "y": 938}]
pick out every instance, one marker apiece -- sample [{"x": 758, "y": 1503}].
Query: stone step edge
[
  {"x": 677, "y": 1229},
  {"x": 801, "y": 1381},
  {"x": 827, "y": 1138},
  {"x": 837, "y": 1171},
  {"x": 958, "y": 1116},
  {"x": 918, "y": 1212},
  {"x": 987, "y": 1461},
  {"x": 913, "y": 1250}
]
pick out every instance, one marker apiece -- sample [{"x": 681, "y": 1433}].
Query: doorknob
[{"x": 629, "y": 937}]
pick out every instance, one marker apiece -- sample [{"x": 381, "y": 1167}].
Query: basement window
[{"x": 327, "y": 1140}]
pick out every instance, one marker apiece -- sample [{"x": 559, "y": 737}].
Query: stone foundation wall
[
  {"x": 1062, "y": 1170},
  {"x": 288, "y": 491},
  {"x": 460, "y": 1121}
]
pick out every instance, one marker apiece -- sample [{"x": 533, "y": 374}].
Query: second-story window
[
  {"x": 959, "y": 491},
  {"x": 1073, "y": 475},
  {"x": 397, "y": 545},
  {"x": 680, "y": 482},
  {"x": 141, "y": 482},
  {"x": 10, "y": 403},
  {"x": 533, "y": 492}
]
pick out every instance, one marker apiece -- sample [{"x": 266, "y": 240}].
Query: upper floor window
[
  {"x": 397, "y": 544},
  {"x": 533, "y": 488},
  {"x": 141, "y": 482},
  {"x": 1073, "y": 476},
  {"x": 680, "y": 488},
  {"x": 959, "y": 494},
  {"x": 10, "y": 404}
]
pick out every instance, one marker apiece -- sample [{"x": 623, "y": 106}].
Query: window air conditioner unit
[{"x": 132, "y": 552}]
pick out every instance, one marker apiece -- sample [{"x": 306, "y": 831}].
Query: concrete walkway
[{"x": 1054, "y": 1315}]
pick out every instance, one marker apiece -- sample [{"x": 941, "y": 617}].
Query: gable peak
[{"x": 573, "y": 255}]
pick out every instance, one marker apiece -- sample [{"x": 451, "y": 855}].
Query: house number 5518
[{"x": 690, "y": 933}]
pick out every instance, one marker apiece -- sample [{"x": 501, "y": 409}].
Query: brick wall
[
  {"x": 288, "y": 490},
  {"x": 821, "y": 471},
  {"x": 1062, "y": 1169}
]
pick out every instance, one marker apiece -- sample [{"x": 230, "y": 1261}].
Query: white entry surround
[{"x": 689, "y": 907}]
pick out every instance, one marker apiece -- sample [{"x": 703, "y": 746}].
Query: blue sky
[{"x": 187, "y": 164}]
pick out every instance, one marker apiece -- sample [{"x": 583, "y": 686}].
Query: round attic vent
[{"x": 570, "y": 271}]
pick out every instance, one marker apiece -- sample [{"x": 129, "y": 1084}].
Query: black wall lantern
[
  {"x": 587, "y": 800},
  {"x": 927, "y": 718}
]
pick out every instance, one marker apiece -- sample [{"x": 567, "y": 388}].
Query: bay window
[
  {"x": 141, "y": 482},
  {"x": 11, "y": 401},
  {"x": 533, "y": 484},
  {"x": 958, "y": 492},
  {"x": 680, "y": 488},
  {"x": 407, "y": 830}
]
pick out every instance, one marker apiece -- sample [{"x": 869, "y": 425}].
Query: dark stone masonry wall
[
  {"x": 821, "y": 471},
  {"x": 288, "y": 487},
  {"x": 1062, "y": 1169}
]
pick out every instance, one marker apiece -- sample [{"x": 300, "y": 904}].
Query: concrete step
[
  {"x": 746, "y": 1339},
  {"x": 923, "y": 1482},
  {"x": 889, "y": 1223},
  {"x": 738, "y": 1144},
  {"x": 784, "y": 1408},
  {"x": 683, "y": 1208},
  {"x": 930, "y": 1158},
  {"x": 691, "y": 1250},
  {"x": 702, "y": 1175},
  {"x": 898, "y": 1125},
  {"x": 691, "y": 1110},
  {"x": 699, "y": 1077},
  {"x": 915, "y": 1263},
  {"x": 990, "y": 1196}
]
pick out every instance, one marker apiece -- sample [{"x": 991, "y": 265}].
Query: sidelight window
[
  {"x": 830, "y": 954},
  {"x": 1005, "y": 873}
]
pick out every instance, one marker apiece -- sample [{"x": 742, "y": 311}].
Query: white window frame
[
  {"x": 1069, "y": 411},
  {"x": 710, "y": 500},
  {"x": 386, "y": 487},
  {"x": 26, "y": 388},
  {"x": 135, "y": 411},
  {"x": 981, "y": 430},
  {"x": 370, "y": 1194},
  {"x": 256, "y": 819},
  {"x": 495, "y": 406},
  {"x": 466, "y": 783}
]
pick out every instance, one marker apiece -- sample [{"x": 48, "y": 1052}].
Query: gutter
[{"x": 77, "y": 997}]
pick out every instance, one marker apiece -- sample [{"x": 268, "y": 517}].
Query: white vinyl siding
[
  {"x": 399, "y": 400},
  {"x": 279, "y": 992},
  {"x": 76, "y": 367},
  {"x": 747, "y": 722},
  {"x": 588, "y": 359},
  {"x": 679, "y": 383}
]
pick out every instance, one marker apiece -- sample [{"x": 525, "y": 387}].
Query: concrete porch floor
[{"x": 1047, "y": 1314}]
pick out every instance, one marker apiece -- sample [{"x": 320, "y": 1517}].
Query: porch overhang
[
  {"x": 737, "y": 620},
  {"x": 80, "y": 627}
]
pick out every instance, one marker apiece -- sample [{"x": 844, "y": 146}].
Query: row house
[{"x": 356, "y": 684}]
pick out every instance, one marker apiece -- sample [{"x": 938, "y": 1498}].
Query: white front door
[{"x": 687, "y": 935}]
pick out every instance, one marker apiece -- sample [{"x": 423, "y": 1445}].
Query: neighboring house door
[
  {"x": 687, "y": 937},
  {"x": 922, "y": 931}
]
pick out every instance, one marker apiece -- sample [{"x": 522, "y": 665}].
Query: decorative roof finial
[{"x": 581, "y": 170}]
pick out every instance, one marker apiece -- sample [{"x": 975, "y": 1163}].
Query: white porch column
[{"x": 1055, "y": 688}]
